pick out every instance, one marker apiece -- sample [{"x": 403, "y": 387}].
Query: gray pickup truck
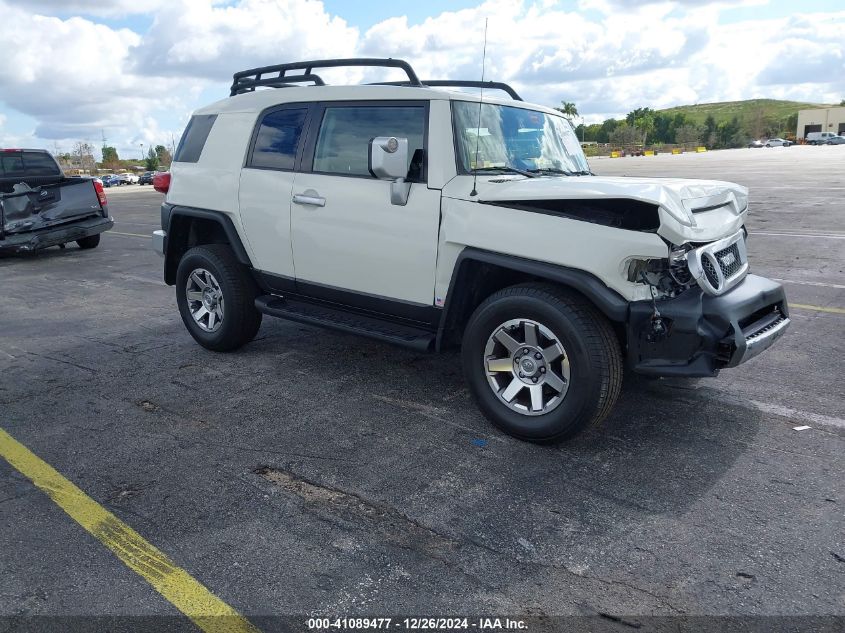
[{"x": 41, "y": 207}]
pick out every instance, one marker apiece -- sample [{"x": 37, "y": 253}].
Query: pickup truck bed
[{"x": 40, "y": 207}]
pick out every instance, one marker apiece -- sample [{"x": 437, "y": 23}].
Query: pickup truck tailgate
[{"x": 27, "y": 209}]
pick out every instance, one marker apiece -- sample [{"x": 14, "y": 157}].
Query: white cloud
[
  {"x": 89, "y": 7},
  {"x": 76, "y": 77},
  {"x": 197, "y": 39}
]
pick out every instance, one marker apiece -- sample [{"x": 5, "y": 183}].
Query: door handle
[{"x": 309, "y": 197}]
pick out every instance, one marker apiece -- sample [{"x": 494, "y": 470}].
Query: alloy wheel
[
  {"x": 205, "y": 300},
  {"x": 527, "y": 366}
]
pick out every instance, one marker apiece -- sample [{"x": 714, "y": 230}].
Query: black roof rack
[
  {"x": 249, "y": 80},
  {"x": 458, "y": 83}
]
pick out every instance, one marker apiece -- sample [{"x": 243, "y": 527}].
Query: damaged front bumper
[
  {"x": 53, "y": 236},
  {"x": 699, "y": 334}
]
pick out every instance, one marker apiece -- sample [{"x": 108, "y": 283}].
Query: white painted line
[
  {"x": 800, "y": 428},
  {"x": 795, "y": 415},
  {"x": 798, "y": 416},
  {"x": 137, "y": 223},
  {"x": 808, "y": 283},
  {"x": 814, "y": 235},
  {"x": 815, "y": 189}
]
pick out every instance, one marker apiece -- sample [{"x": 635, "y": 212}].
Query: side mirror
[{"x": 388, "y": 160}]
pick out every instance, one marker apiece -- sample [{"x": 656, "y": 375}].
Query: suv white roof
[{"x": 261, "y": 99}]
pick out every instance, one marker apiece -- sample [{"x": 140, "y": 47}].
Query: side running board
[{"x": 345, "y": 321}]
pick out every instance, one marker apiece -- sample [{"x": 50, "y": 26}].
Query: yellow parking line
[
  {"x": 187, "y": 594},
  {"x": 127, "y": 234},
  {"x": 804, "y": 306}
]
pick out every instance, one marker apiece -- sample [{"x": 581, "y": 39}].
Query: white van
[{"x": 819, "y": 138}]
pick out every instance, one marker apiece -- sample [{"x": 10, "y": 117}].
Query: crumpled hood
[{"x": 690, "y": 210}]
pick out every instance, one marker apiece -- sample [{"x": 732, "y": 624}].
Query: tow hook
[{"x": 659, "y": 328}]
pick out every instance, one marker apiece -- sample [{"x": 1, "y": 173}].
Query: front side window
[
  {"x": 516, "y": 138},
  {"x": 345, "y": 134},
  {"x": 277, "y": 139}
]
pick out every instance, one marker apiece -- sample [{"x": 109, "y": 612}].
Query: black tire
[
  {"x": 241, "y": 320},
  {"x": 591, "y": 347},
  {"x": 92, "y": 241}
]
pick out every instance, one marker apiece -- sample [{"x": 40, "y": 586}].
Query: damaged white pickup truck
[{"x": 421, "y": 216}]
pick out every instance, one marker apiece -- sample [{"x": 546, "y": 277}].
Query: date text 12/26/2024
[{"x": 416, "y": 624}]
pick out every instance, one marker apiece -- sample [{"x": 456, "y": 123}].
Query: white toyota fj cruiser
[{"x": 433, "y": 219}]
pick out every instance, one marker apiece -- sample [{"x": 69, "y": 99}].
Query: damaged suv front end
[
  {"x": 673, "y": 249},
  {"x": 706, "y": 312}
]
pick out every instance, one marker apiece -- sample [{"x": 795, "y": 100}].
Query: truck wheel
[
  {"x": 542, "y": 363},
  {"x": 92, "y": 241},
  {"x": 216, "y": 298}
]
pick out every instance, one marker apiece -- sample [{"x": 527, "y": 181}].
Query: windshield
[{"x": 515, "y": 138}]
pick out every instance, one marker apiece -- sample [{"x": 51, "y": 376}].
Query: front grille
[
  {"x": 720, "y": 265},
  {"x": 732, "y": 255},
  {"x": 710, "y": 271}
]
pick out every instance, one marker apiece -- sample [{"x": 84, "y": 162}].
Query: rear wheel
[
  {"x": 216, "y": 298},
  {"x": 92, "y": 241},
  {"x": 542, "y": 363}
]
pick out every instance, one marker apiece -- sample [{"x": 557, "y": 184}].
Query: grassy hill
[{"x": 744, "y": 110}]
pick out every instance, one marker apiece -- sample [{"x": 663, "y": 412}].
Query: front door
[{"x": 348, "y": 239}]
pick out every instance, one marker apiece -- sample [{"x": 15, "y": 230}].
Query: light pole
[{"x": 142, "y": 151}]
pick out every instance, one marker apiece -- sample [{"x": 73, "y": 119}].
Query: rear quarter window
[{"x": 194, "y": 138}]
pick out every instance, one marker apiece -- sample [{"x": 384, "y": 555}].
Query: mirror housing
[{"x": 388, "y": 160}]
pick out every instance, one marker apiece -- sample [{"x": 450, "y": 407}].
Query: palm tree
[{"x": 568, "y": 110}]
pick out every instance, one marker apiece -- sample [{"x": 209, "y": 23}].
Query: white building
[{"x": 821, "y": 120}]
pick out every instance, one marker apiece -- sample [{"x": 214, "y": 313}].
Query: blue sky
[{"x": 136, "y": 70}]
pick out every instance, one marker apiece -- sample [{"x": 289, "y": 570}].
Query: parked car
[
  {"x": 819, "y": 138},
  {"x": 110, "y": 180},
  {"x": 41, "y": 207},
  {"x": 146, "y": 178},
  {"x": 128, "y": 179},
  {"x": 755, "y": 144},
  {"x": 836, "y": 140},
  {"x": 778, "y": 142},
  {"x": 412, "y": 227}
]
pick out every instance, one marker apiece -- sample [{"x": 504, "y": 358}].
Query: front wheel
[
  {"x": 216, "y": 298},
  {"x": 92, "y": 241},
  {"x": 542, "y": 363}
]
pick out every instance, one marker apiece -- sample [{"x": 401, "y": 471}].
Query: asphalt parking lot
[{"x": 316, "y": 473}]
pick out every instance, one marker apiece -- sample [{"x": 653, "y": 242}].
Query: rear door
[
  {"x": 266, "y": 182},
  {"x": 350, "y": 244}
]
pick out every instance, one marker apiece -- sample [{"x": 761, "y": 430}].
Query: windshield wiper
[
  {"x": 506, "y": 169},
  {"x": 553, "y": 170},
  {"x": 562, "y": 172}
]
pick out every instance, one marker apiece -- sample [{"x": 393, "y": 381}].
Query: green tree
[
  {"x": 709, "y": 132},
  {"x": 842, "y": 103},
  {"x": 688, "y": 135},
  {"x": 110, "y": 158},
  {"x": 790, "y": 125},
  {"x": 625, "y": 134},
  {"x": 568, "y": 110},
  {"x": 605, "y": 130},
  {"x": 643, "y": 120},
  {"x": 164, "y": 157},
  {"x": 151, "y": 161},
  {"x": 728, "y": 133}
]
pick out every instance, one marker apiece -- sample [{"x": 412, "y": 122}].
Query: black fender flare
[
  {"x": 171, "y": 215},
  {"x": 613, "y": 305}
]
